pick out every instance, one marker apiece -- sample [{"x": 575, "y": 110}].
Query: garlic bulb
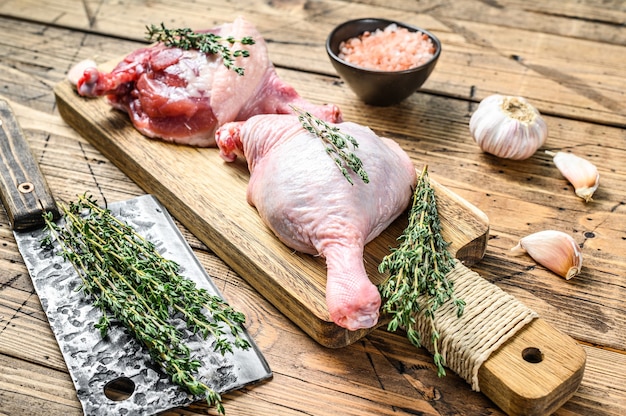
[
  {"x": 555, "y": 250},
  {"x": 581, "y": 173},
  {"x": 508, "y": 127}
]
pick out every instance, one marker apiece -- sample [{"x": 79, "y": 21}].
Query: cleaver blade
[{"x": 112, "y": 375}]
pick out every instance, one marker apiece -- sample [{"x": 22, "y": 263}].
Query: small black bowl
[{"x": 380, "y": 88}]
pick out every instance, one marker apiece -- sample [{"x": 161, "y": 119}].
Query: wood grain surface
[{"x": 566, "y": 57}]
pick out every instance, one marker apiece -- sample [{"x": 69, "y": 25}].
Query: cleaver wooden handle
[{"x": 24, "y": 191}]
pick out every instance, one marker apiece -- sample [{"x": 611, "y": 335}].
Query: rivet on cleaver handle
[{"x": 24, "y": 191}]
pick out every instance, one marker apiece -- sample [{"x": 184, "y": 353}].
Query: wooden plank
[
  {"x": 590, "y": 19},
  {"x": 29, "y": 389},
  {"x": 213, "y": 206},
  {"x": 34, "y": 58}
]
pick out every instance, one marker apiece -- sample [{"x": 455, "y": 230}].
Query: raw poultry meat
[
  {"x": 182, "y": 96},
  {"x": 305, "y": 200}
]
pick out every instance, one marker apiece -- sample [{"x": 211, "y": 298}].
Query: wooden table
[{"x": 567, "y": 58}]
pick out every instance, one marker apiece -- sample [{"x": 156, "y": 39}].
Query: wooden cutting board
[{"x": 208, "y": 196}]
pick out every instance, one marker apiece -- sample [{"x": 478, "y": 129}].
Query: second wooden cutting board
[{"x": 208, "y": 196}]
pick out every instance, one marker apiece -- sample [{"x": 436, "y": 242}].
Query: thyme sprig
[
  {"x": 417, "y": 268},
  {"x": 205, "y": 42},
  {"x": 129, "y": 281},
  {"x": 337, "y": 144}
]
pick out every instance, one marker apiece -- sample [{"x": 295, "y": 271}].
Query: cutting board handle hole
[
  {"x": 532, "y": 355},
  {"x": 119, "y": 389}
]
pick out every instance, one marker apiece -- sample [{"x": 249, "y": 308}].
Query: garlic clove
[
  {"x": 580, "y": 172},
  {"x": 555, "y": 250},
  {"x": 508, "y": 127}
]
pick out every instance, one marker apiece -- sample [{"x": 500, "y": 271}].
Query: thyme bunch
[
  {"x": 417, "y": 268},
  {"x": 129, "y": 281},
  {"x": 209, "y": 43},
  {"x": 337, "y": 144}
]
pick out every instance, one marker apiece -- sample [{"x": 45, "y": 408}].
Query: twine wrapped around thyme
[
  {"x": 490, "y": 317},
  {"x": 441, "y": 304}
]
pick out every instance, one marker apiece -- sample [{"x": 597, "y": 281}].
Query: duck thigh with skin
[
  {"x": 183, "y": 96},
  {"x": 303, "y": 197}
]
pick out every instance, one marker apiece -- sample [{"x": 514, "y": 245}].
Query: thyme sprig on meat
[
  {"x": 417, "y": 281},
  {"x": 337, "y": 144},
  {"x": 209, "y": 43},
  {"x": 129, "y": 281}
]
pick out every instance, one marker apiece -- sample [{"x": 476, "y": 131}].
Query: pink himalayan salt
[{"x": 392, "y": 49}]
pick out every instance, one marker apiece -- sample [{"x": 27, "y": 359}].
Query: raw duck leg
[
  {"x": 183, "y": 96},
  {"x": 305, "y": 200}
]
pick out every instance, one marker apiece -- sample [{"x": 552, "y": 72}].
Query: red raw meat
[
  {"x": 305, "y": 200},
  {"x": 183, "y": 96}
]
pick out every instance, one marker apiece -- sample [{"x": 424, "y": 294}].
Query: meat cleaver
[{"x": 112, "y": 375}]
